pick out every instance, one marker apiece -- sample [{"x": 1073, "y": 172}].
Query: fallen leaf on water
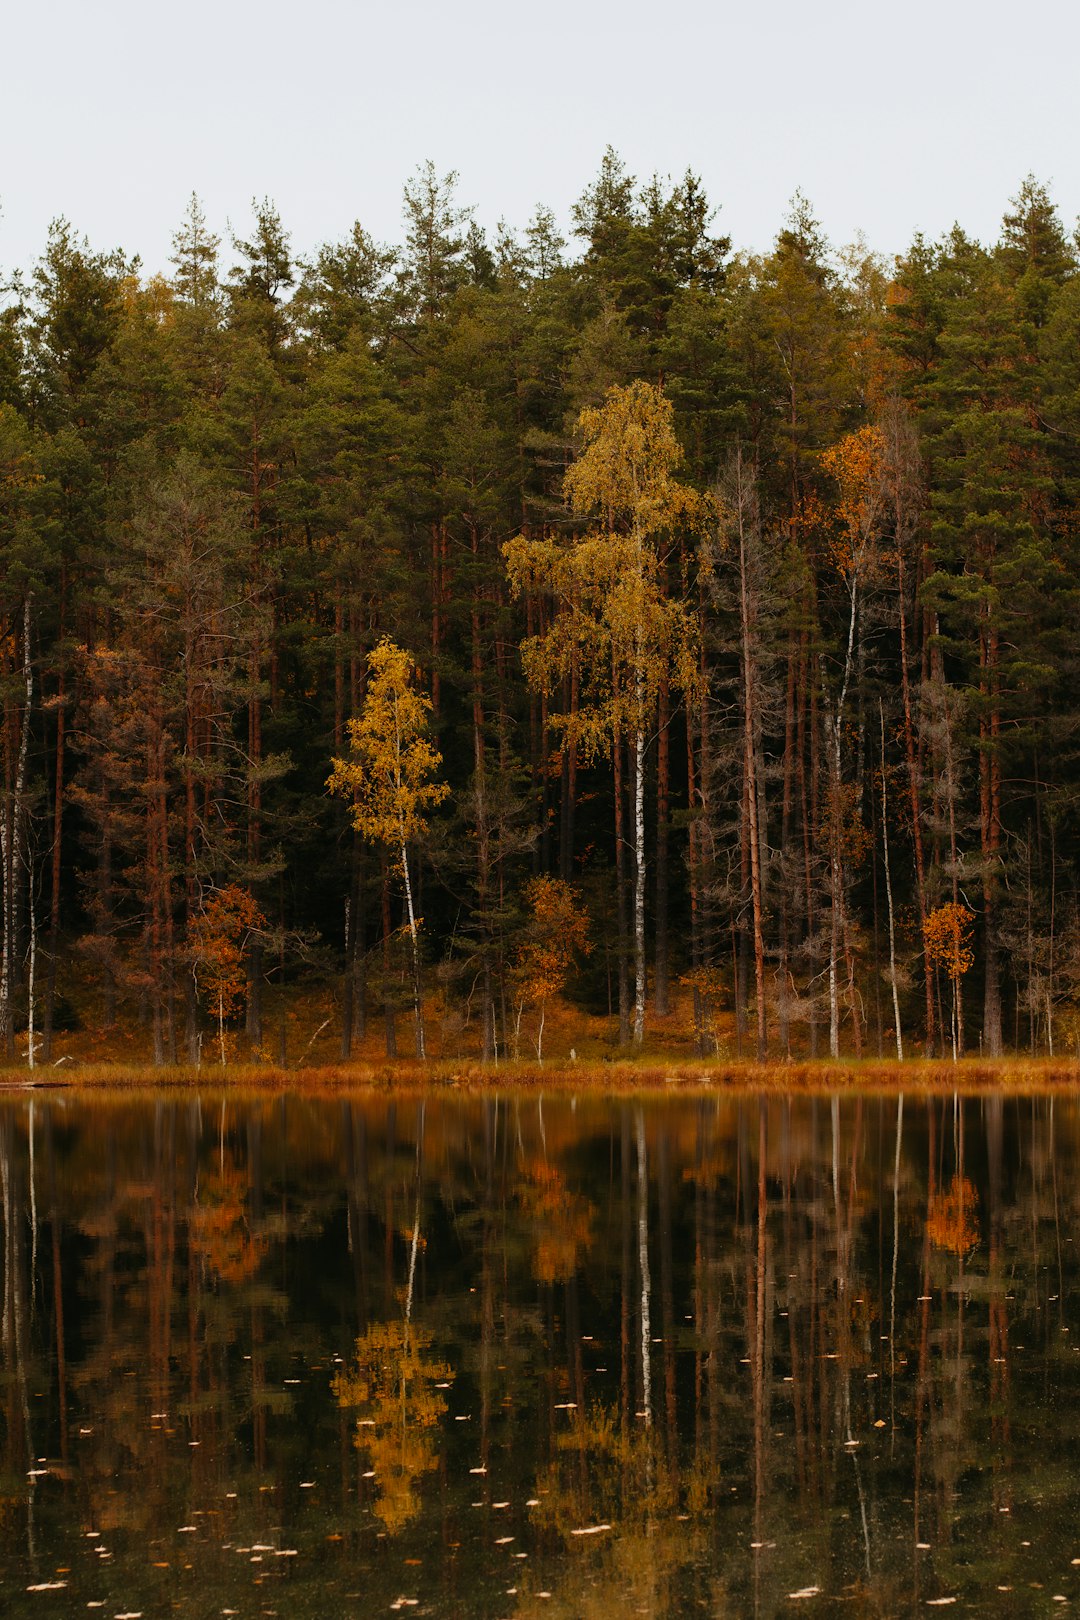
[
  {"x": 47, "y": 1586},
  {"x": 938, "y": 1603},
  {"x": 805, "y": 1592},
  {"x": 590, "y": 1530}
]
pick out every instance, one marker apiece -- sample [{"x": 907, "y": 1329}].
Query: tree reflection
[
  {"x": 771, "y": 1345},
  {"x": 392, "y": 1385}
]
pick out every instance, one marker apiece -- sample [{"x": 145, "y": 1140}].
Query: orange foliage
[
  {"x": 557, "y": 931},
  {"x": 561, "y": 1220},
  {"x": 220, "y": 1235},
  {"x": 947, "y": 938},
  {"x": 951, "y": 1221},
  {"x": 218, "y": 937},
  {"x": 855, "y": 462}
]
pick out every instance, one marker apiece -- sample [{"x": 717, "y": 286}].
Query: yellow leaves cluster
[
  {"x": 625, "y": 474},
  {"x": 947, "y": 939},
  {"x": 615, "y": 629},
  {"x": 389, "y": 772},
  {"x": 393, "y": 1383}
]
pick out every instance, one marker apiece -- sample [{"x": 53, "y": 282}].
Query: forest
[{"x": 621, "y": 630}]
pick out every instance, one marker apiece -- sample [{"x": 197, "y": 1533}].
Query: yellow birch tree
[
  {"x": 614, "y": 624},
  {"x": 389, "y": 776}
]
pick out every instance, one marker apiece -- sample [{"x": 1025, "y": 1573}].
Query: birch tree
[
  {"x": 855, "y": 464},
  {"x": 614, "y": 623},
  {"x": 389, "y": 777}
]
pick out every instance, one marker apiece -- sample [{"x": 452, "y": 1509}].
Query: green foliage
[{"x": 233, "y": 495}]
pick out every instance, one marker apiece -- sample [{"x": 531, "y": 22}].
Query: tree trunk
[
  {"x": 54, "y": 874},
  {"x": 639, "y": 886},
  {"x": 663, "y": 812},
  {"x": 620, "y": 891},
  {"x": 418, "y": 1011},
  {"x": 12, "y": 838},
  {"x": 750, "y": 757},
  {"x": 889, "y": 894},
  {"x": 389, "y": 1021},
  {"x": 916, "y": 816}
]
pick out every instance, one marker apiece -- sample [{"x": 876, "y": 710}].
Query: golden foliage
[
  {"x": 855, "y": 463},
  {"x": 393, "y": 1384},
  {"x": 947, "y": 938},
  {"x": 558, "y": 931},
  {"x": 615, "y": 629},
  {"x": 220, "y": 1234},
  {"x": 391, "y": 763},
  {"x": 561, "y": 1220}
]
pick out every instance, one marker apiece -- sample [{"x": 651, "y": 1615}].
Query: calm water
[{"x": 508, "y": 1357}]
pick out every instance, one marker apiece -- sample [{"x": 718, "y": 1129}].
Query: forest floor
[{"x": 301, "y": 1051}]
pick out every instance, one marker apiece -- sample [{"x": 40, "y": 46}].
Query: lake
[{"x": 520, "y": 1356}]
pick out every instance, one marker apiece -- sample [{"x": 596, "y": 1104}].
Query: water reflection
[{"x": 505, "y": 1356}]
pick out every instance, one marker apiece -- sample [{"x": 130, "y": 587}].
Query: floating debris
[{"x": 590, "y": 1530}]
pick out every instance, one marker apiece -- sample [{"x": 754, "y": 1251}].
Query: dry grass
[
  {"x": 624, "y": 1075},
  {"x": 580, "y": 1054}
]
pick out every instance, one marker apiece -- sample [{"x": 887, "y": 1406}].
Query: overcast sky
[{"x": 889, "y": 118}]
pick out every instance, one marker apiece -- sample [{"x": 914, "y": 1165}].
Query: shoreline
[{"x": 407, "y": 1075}]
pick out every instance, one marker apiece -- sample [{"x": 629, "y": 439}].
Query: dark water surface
[{"x": 511, "y": 1357}]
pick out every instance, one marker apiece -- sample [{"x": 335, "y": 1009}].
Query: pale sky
[{"x": 889, "y": 118}]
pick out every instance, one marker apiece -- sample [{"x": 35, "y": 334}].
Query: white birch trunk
[
  {"x": 646, "y": 1280},
  {"x": 639, "y": 884},
  {"x": 418, "y": 1012},
  {"x": 11, "y": 856},
  {"x": 888, "y": 894},
  {"x": 31, "y": 973},
  {"x": 837, "y": 863}
]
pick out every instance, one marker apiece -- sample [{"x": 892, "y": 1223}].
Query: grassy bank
[{"x": 622, "y": 1075}]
